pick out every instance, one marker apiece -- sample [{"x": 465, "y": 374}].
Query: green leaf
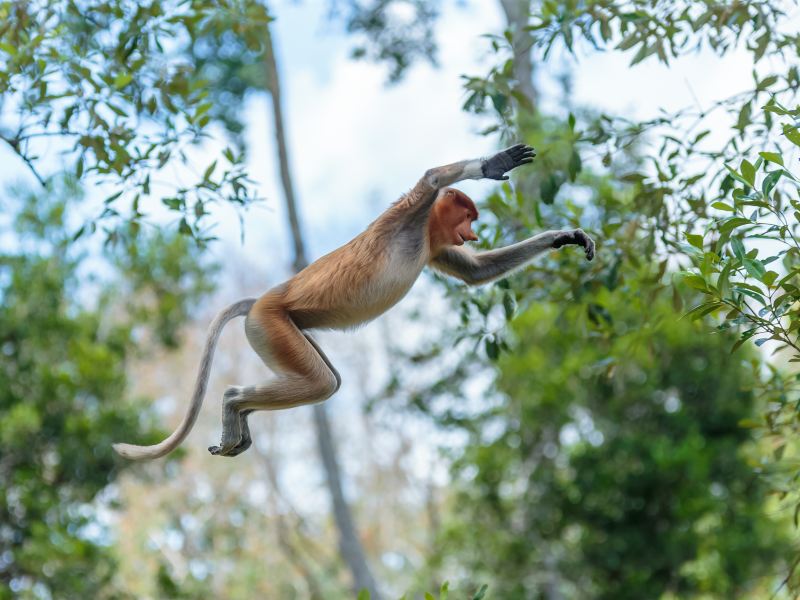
[
  {"x": 748, "y": 172},
  {"x": 769, "y": 182},
  {"x": 695, "y": 281},
  {"x": 745, "y": 336},
  {"x": 492, "y": 348},
  {"x": 736, "y": 176},
  {"x": 754, "y": 267},
  {"x": 749, "y": 292},
  {"x": 549, "y": 188},
  {"x": 209, "y": 171},
  {"x": 744, "y": 117},
  {"x": 732, "y": 223},
  {"x": 444, "y": 590},
  {"x": 122, "y": 79},
  {"x": 363, "y": 594},
  {"x": 738, "y": 248},
  {"x": 574, "y": 167},
  {"x": 481, "y": 592},
  {"x": 723, "y": 206},
  {"x": 695, "y": 240},
  {"x": 429, "y": 596},
  {"x": 767, "y": 82},
  {"x": 509, "y": 305},
  {"x": 792, "y": 134},
  {"x": 772, "y": 157},
  {"x": 702, "y": 310}
]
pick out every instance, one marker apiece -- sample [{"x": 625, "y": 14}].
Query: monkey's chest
[{"x": 387, "y": 287}]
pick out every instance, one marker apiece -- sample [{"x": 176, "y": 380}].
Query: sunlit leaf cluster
[{"x": 99, "y": 88}]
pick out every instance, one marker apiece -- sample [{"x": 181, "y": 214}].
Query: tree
[
  {"x": 731, "y": 200},
  {"x": 63, "y": 391},
  {"x": 101, "y": 83},
  {"x": 668, "y": 190},
  {"x": 587, "y": 479}
]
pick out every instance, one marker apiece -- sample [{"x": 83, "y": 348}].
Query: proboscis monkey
[{"x": 352, "y": 285}]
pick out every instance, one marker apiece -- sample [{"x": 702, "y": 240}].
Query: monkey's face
[{"x": 452, "y": 217}]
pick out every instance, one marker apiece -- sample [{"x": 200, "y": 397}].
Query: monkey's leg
[
  {"x": 246, "y": 439},
  {"x": 305, "y": 376}
]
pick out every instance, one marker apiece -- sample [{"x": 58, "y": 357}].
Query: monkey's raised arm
[
  {"x": 481, "y": 267},
  {"x": 493, "y": 167}
]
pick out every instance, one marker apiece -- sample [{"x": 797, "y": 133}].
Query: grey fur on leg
[
  {"x": 231, "y": 422},
  {"x": 246, "y": 441}
]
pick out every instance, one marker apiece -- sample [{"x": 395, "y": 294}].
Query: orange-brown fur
[{"x": 350, "y": 286}]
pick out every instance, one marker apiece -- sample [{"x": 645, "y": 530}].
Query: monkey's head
[{"x": 451, "y": 219}]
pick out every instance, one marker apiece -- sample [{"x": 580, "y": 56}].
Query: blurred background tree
[{"x": 69, "y": 326}]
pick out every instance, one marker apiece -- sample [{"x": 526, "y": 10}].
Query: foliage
[
  {"x": 102, "y": 82},
  {"x": 444, "y": 593},
  {"x": 729, "y": 193},
  {"x": 665, "y": 29},
  {"x": 623, "y": 481},
  {"x": 593, "y": 349},
  {"x": 63, "y": 402},
  {"x": 397, "y": 32},
  {"x": 757, "y": 215}
]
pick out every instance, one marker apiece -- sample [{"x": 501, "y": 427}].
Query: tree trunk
[
  {"x": 517, "y": 12},
  {"x": 349, "y": 543}
]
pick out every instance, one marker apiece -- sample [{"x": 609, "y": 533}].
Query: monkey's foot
[
  {"x": 246, "y": 440},
  {"x": 240, "y": 447},
  {"x": 230, "y": 452},
  {"x": 232, "y": 434}
]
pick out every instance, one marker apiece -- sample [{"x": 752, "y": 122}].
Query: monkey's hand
[
  {"x": 576, "y": 237},
  {"x": 496, "y": 167}
]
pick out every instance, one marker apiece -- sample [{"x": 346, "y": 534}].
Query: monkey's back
[{"x": 353, "y": 284}]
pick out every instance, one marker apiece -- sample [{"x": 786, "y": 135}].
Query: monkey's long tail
[{"x": 134, "y": 452}]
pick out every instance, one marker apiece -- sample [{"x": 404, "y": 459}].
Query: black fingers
[
  {"x": 510, "y": 158},
  {"x": 576, "y": 237},
  {"x": 584, "y": 240},
  {"x": 521, "y": 154}
]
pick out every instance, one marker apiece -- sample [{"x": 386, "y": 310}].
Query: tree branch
[{"x": 16, "y": 147}]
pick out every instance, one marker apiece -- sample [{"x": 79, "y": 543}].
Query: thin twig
[{"x": 15, "y": 146}]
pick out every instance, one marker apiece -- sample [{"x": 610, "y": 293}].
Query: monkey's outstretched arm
[
  {"x": 481, "y": 267},
  {"x": 493, "y": 167}
]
